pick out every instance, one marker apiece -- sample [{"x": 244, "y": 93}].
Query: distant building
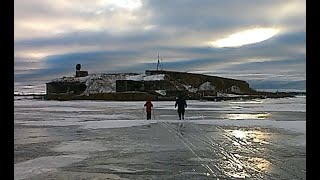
[{"x": 80, "y": 73}]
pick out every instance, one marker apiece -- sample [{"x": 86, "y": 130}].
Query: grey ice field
[{"x": 258, "y": 139}]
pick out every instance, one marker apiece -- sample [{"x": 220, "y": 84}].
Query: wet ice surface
[{"x": 259, "y": 139}]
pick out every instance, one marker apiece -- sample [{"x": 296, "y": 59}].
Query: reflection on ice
[
  {"x": 236, "y": 168},
  {"x": 239, "y": 134},
  {"x": 259, "y": 163},
  {"x": 257, "y": 101},
  {"x": 233, "y": 169},
  {"x": 240, "y": 165},
  {"x": 251, "y": 136},
  {"x": 195, "y": 117},
  {"x": 246, "y": 137},
  {"x": 239, "y": 116}
]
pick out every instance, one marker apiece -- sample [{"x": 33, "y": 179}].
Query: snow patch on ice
[
  {"x": 115, "y": 124},
  {"x": 63, "y": 109},
  {"x": 41, "y": 165},
  {"x": 118, "y": 169},
  {"x": 67, "y": 122},
  {"x": 79, "y": 147}
]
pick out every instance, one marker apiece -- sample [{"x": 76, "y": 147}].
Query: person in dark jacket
[
  {"x": 182, "y": 104},
  {"x": 148, "y": 106}
]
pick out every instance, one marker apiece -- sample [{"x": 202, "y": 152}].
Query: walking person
[
  {"x": 148, "y": 106},
  {"x": 182, "y": 104}
]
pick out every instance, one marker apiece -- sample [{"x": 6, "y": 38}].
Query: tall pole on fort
[{"x": 158, "y": 63}]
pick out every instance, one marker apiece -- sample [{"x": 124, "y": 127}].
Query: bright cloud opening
[
  {"x": 126, "y": 4},
  {"x": 129, "y": 4},
  {"x": 246, "y": 37}
]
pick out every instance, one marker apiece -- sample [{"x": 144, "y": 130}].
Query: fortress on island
[{"x": 159, "y": 84}]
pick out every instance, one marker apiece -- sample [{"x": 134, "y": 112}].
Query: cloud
[
  {"x": 249, "y": 36},
  {"x": 50, "y": 37}
]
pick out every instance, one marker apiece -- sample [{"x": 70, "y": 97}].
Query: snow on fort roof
[
  {"x": 144, "y": 77},
  {"x": 106, "y": 83},
  {"x": 112, "y": 77}
]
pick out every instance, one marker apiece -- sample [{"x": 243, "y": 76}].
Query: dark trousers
[
  {"x": 181, "y": 113},
  {"x": 148, "y": 115}
]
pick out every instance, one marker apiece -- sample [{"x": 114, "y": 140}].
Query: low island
[{"x": 159, "y": 84}]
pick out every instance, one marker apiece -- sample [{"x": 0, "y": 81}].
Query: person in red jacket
[{"x": 148, "y": 106}]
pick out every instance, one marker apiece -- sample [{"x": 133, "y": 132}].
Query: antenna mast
[{"x": 158, "y": 63}]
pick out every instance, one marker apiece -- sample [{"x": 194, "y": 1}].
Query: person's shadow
[{"x": 180, "y": 128}]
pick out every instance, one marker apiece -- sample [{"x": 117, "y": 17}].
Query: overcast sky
[{"x": 259, "y": 41}]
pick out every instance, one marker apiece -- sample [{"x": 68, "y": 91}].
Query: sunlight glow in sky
[
  {"x": 129, "y": 4},
  {"x": 126, "y": 4},
  {"x": 250, "y": 36}
]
